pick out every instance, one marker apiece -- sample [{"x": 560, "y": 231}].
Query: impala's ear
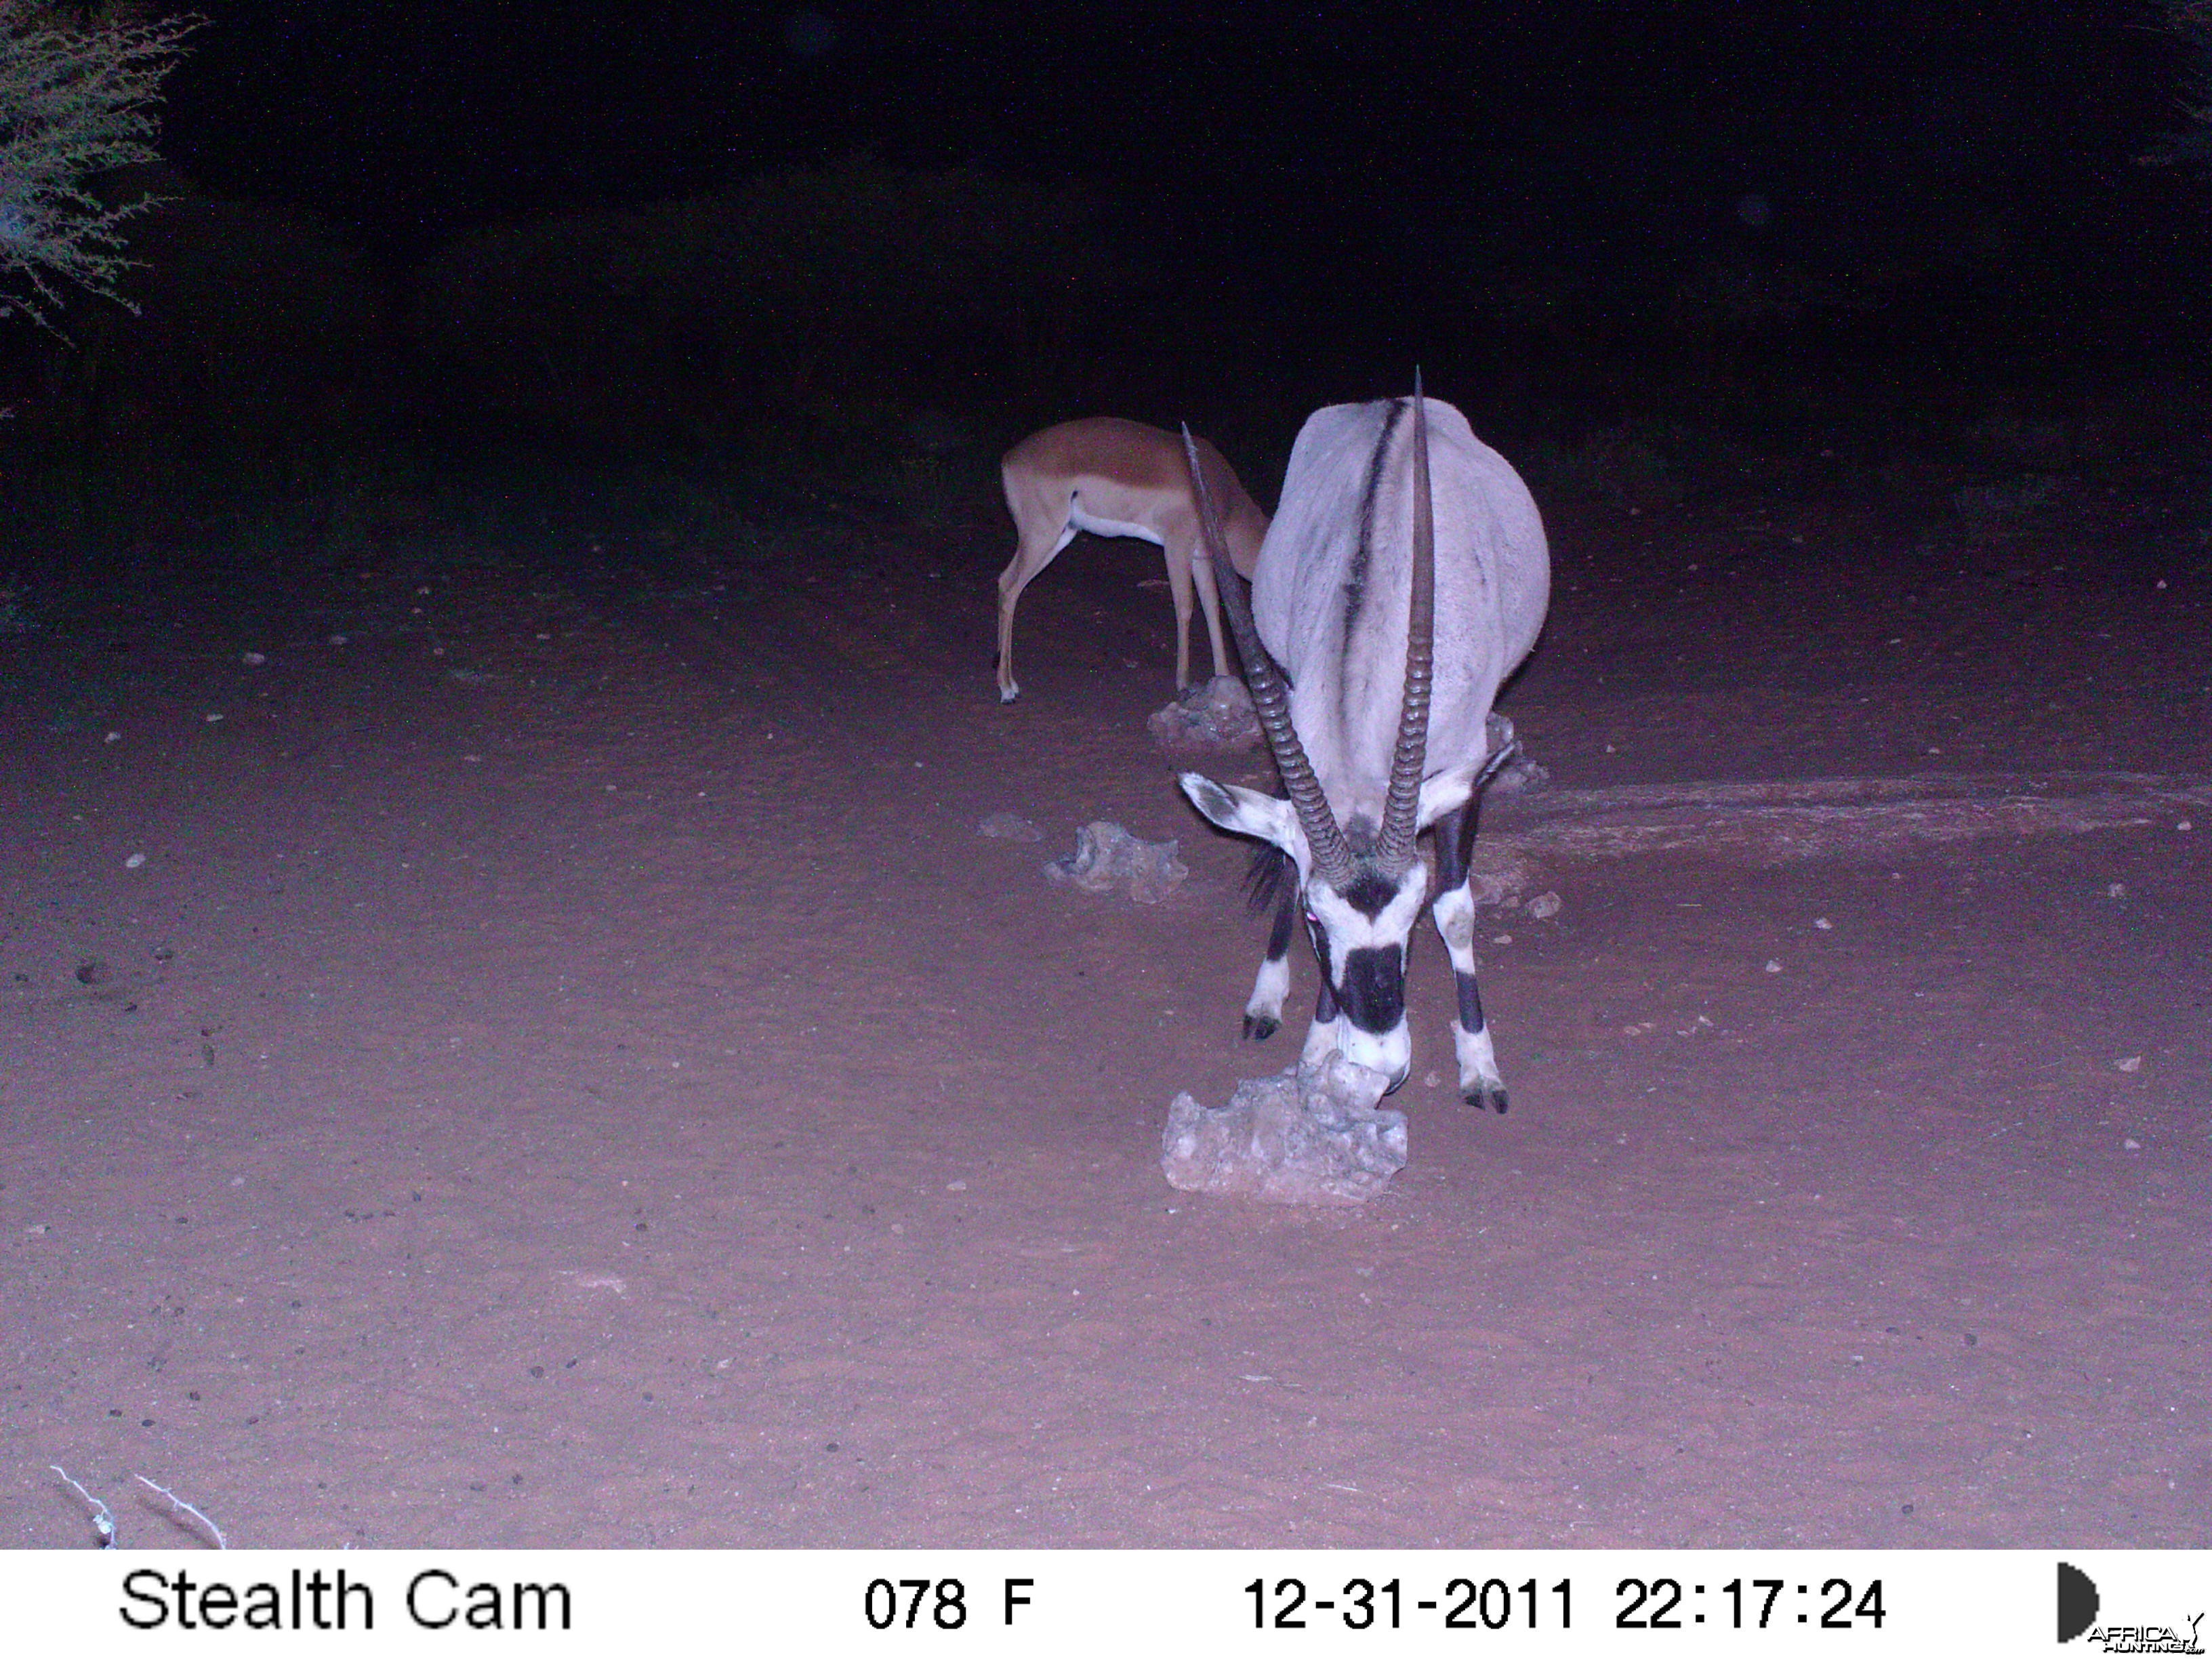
[{"x": 1243, "y": 812}]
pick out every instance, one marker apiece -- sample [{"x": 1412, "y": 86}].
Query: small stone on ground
[{"x": 1108, "y": 857}]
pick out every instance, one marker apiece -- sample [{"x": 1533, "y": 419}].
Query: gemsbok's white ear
[
  {"x": 1244, "y": 812},
  {"x": 1447, "y": 792}
]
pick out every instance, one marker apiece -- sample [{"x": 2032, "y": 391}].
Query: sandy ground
[{"x": 567, "y": 1072}]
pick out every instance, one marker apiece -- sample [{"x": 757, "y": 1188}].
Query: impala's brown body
[{"x": 1115, "y": 478}]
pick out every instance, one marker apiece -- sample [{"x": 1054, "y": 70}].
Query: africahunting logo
[{"x": 2079, "y": 1605}]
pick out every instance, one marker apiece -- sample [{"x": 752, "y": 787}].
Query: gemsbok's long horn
[
  {"x": 1393, "y": 848},
  {"x": 1271, "y": 697}
]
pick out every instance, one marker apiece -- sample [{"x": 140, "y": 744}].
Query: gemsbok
[
  {"x": 1114, "y": 477},
  {"x": 1405, "y": 576}
]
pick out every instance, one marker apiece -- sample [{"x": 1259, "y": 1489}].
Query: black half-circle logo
[{"x": 2077, "y": 1601}]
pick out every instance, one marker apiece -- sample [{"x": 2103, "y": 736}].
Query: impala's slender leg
[
  {"x": 1454, "y": 913},
  {"x": 1209, "y": 598},
  {"x": 1177, "y": 549},
  {"x": 1044, "y": 532}
]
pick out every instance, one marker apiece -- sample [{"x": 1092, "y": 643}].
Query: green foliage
[
  {"x": 252, "y": 322},
  {"x": 242, "y": 383},
  {"x": 78, "y": 91},
  {"x": 2191, "y": 147}
]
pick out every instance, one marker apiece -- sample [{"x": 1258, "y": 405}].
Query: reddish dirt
[{"x": 568, "y": 1072}]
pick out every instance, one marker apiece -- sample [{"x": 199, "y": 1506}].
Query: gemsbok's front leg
[
  {"x": 1274, "y": 876},
  {"x": 1323, "y": 1036},
  {"x": 1453, "y": 912}
]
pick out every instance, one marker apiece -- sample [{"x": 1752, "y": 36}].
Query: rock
[
  {"x": 1517, "y": 775},
  {"x": 1309, "y": 1135},
  {"x": 1106, "y": 856},
  {"x": 1212, "y": 719},
  {"x": 1496, "y": 875},
  {"x": 1544, "y": 906},
  {"x": 1008, "y": 826}
]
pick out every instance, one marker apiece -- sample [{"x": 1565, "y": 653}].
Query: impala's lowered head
[{"x": 1362, "y": 883}]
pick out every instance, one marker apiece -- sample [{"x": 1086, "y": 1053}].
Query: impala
[
  {"x": 1405, "y": 576},
  {"x": 1116, "y": 478}
]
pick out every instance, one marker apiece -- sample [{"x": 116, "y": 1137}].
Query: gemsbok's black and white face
[
  {"x": 1361, "y": 925},
  {"x": 1391, "y": 600}
]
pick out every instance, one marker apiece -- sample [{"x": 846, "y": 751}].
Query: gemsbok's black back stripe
[{"x": 1362, "y": 551}]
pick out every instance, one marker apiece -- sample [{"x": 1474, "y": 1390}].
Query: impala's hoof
[
  {"x": 1486, "y": 1094},
  {"x": 1259, "y": 1028}
]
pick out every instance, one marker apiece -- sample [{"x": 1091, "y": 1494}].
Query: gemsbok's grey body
[{"x": 1404, "y": 576}]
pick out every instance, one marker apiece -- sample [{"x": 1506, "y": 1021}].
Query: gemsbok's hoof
[
  {"x": 1008, "y": 693},
  {"x": 1259, "y": 1030},
  {"x": 1487, "y": 1095}
]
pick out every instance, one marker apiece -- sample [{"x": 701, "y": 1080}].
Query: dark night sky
[
  {"x": 1286, "y": 153},
  {"x": 411, "y": 117}
]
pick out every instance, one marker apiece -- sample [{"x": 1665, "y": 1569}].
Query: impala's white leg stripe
[{"x": 1269, "y": 987}]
